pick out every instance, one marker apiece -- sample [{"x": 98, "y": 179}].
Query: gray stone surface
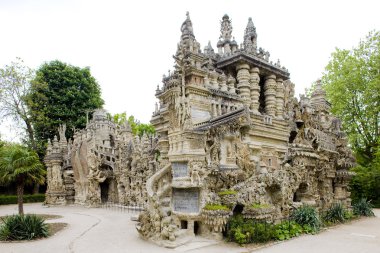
[
  {"x": 186, "y": 200},
  {"x": 179, "y": 169}
]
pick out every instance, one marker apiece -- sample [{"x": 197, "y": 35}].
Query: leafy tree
[
  {"x": 22, "y": 166},
  {"x": 14, "y": 88},
  {"x": 352, "y": 82},
  {"x": 137, "y": 128},
  {"x": 118, "y": 118},
  {"x": 62, "y": 93}
]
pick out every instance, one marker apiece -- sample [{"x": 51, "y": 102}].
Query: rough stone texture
[
  {"x": 249, "y": 135},
  {"x": 104, "y": 163},
  {"x": 226, "y": 121}
]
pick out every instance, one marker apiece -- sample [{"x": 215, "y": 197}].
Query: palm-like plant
[{"x": 22, "y": 166}]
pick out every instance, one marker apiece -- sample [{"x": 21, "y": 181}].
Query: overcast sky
[{"x": 128, "y": 45}]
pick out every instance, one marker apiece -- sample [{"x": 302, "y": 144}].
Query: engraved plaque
[
  {"x": 199, "y": 115},
  {"x": 179, "y": 169},
  {"x": 186, "y": 200}
]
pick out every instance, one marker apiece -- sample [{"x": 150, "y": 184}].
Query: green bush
[
  {"x": 349, "y": 215},
  {"x": 243, "y": 231},
  {"x": 12, "y": 199},
  {"x": 23, "y": 227},
  {"x": 288, "y": 229},
  {"x": 307, "y": 215},
  {"x": 336, "y": 213},
  {"x": 363, "y": 208},
  {"x": 263, "y": 232}
]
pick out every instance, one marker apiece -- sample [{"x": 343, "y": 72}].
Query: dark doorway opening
[
  {"x": 238, "y": 209},
  {"x": 196, "y": 227},
  {"x": 301, "y": 191},
  {"x": 104, "y": 188},
  {"x": 183, "y": 224},
  {"x": 262, "y": 95}
]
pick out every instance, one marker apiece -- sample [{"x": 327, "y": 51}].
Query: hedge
[{"x": 12, "y": 199}]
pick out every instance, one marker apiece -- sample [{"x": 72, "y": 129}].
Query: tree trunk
[
  {"x": 30, "y": 131},
  {"x": 20, "y": 194}
]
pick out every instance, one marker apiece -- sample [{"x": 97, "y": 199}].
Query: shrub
[
  {"x": 245, "y": 231},
  {"x": 12, "y": 199},
  {"x": 349, "y": 215},
  {"x": 288, "y": 229},
  {"x": 263, "y": 232},
  {"x": 23, "y": 227},
  {"x": 363, "y": 207},
  {"x": 336, "y": 213},
  {"x": 307, "y": 215}
]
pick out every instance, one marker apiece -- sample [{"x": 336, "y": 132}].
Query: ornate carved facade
[
  {"x": 229, "y": 132},
  {"x": 104, "y": 163}
]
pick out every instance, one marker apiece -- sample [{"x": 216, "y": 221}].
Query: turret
[{"x": 250, "y": 37}]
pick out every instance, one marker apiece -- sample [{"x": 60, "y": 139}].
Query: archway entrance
[
  {"x": 104, "y": 189},
  {"x": 300, "y": 193},
  {"x": 196, "y": 228}
]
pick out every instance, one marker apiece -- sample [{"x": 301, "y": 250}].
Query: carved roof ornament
[
  {"x": 187, "y": 27},
  {"x": 250, "y": 37},
  {"x": 208, "y": 50},
  {"x": 318, "y": 98},
  {"x": 226, "y": 28}
]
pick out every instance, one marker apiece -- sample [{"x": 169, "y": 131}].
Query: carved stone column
[
  {"x": 243, "y": 83},
  {"x": 255, "y": 90},
  {"x": 223, "y": 82},
  {"x": 280, "y": 99},
  {"x": 270, "y": 95},
  {"x": 55, "y": 193},
  {"x": 231, "y": 84}
]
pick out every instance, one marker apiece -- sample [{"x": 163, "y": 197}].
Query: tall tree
[
  {"x": 22, "y": 166},
  {"x": 14, "y": 88},
  {"x": 352, "y": 82},
  {"x": 62, "y": 93}
]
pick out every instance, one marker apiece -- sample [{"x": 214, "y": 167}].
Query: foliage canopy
[
  {"x": 62, "y": 93},
  {"x": 352, "y": 82}
]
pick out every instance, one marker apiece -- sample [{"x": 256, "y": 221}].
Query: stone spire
[
  {"x": 226, "y": 28},
  {"x": 188, "y": 42},
  {"x": 250, "y": 37},
  {"x": 224, "y": 43},
  {"x": 208, "y": 50},
  {"x": 187, "y": 28},
  {"x": 318, "y": 98}
]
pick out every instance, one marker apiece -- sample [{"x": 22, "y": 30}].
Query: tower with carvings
[{"x": 231, "y": 133}]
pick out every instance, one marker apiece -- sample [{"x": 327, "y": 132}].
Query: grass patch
[{"x": 214, "y": 207}]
